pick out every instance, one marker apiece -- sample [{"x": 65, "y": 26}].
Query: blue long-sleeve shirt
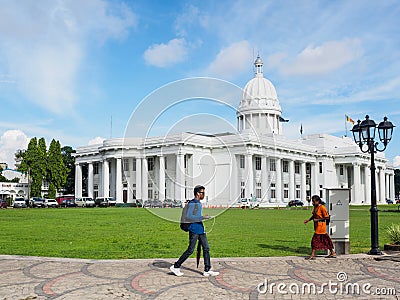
[{"x": 195, "y": 217}]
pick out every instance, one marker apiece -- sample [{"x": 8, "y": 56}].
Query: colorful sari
[{"x": 320, "y": 240}]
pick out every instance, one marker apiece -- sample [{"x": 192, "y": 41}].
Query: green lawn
[{"x": 110, "y": 233}]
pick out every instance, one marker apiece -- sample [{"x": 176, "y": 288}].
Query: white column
[
  {"x": 264, "y": 179},
  {"x": 138, "y": 178},
  {"x": 291, "y": 181},
  {"x": 250, "y": 177},
  {"x": 357, "y": 184},
  {"x": 234, "y": 181},
  {"x": 106, "y": 178},
  {"x": 90, "y": 180},
  {"x": 161, "y": 178},
  {"x": 377, "y": 183},
  {"x": 129, "y": 180},
  {"x": 367, "y": 185},
  {"x": 392, "y": 191},
  {"x": 314, "y": 180},
  {"x": 303, "y": 185},
  {"x": 382, "y": 186},
  {"x": 118, "y": 181},
  {"x": 78, "y": 180},
  {"x": 145, "y": 179},
  {"x": 179, "y": 173},
  {"x": 387, "y": 189},
  {"x": 278, "y": 180}
]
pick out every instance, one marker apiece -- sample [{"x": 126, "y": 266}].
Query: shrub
[{"x": 394, "y": 233}]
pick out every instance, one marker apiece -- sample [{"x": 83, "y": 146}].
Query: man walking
[{"x": 196, "y": 233}]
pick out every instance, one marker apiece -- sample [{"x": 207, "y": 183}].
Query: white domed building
[{"x": 255, "y": 162}]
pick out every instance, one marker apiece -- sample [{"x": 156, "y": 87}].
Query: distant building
[
  {"x": 13, "y": 189},
  {"x": 257, "y": 161}
]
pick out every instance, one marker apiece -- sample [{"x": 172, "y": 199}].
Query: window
[
  {"x": 95, "y": 168},
  {"x": 165, "y": 162},
  {"x": 273, "y": 195},
  {"x": 125, "y": 165},
  {"x": 297, "y": 167},
  {"x": 185, "y": 161},
  {"x": 258, "y": 190},
  {"x": 150, "y": 164},
  {"x": 258, "y": 163},
  {"x": 341, "y": 169},
  {"x": 285, "y": 166},
  {"x": 320, "y": 167},
  {"x": 242, "y": 189},
  {"x": 285, "y": 190},
  {"x": 321, "y": 191},
  {"x": 134, "y": 165},
  {"x": 95, "y": 187},
  {"x": 241, "y": 158},
  {"x": 150, "y": 190},
  {"x": 272, "y": 165}
]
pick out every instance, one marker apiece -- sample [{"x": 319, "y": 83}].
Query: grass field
[{"x": 112, "y": 233}]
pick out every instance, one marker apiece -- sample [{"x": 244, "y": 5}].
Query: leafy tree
[
  {"x": 34, "y": 163},
  {"x": 69, "y": 162},
  {"x": 56, "y": 173}
]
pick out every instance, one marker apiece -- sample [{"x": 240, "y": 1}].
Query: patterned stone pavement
[{"x": 349, "y": 276}]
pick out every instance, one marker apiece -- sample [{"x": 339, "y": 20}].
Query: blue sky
[{"x": 67, "y": 68}]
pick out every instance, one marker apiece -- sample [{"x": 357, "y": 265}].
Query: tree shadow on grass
[{"x": 294, "y": 250}]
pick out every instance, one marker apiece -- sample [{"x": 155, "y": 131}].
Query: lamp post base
[{"x": 375, "y": 251}]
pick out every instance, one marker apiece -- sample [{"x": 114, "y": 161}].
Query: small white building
[
  {"x": 13, "y": 189},
  {"x": 256, "y": 161}
]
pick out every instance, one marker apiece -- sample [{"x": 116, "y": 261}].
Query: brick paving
[{"x": 28, "y": 278}]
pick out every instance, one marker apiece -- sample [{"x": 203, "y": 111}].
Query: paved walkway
[{"x": 38, "y": 278}]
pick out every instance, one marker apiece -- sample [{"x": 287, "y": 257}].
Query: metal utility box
[{"x": 337, "y": 203}]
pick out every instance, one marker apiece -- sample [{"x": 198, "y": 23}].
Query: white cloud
[
  {"x": 165, "y": 55},
  {"x": 396, "y": 161},
  {"x": 10, "y": 141},
  {"x": 44, "y": 44},
  {"x": 322, "y": 59},
  {"x": 231, "y": 60},
  {"x": 97, "y": 140}
]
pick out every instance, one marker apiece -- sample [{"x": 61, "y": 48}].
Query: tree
[
  {"x": 69, "y": 162},
  {"x": 56, "y": 172},
  {"x": 34, "y": 164}
]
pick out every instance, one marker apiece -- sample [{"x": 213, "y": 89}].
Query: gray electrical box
[{"x": 337, "y": 203}]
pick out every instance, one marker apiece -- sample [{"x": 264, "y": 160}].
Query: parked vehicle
[
  {"x": 19, "y": 203},
  {"x": 61, "y": 199},
  {"x": 111, "y": 201},
  {"x": 389, "y": 201},
  {"x": 85, "y": 202},
  {"x": 36, "y": 202},
  {"x": 295, "y": 203},
  {"x": 172, "y": 203},
  {"x": 101, "y": 202},
  {"x": 51, "y": 203},
  {"x": 68, "y": 203},
  {"x": 248, "y": 203},
  {"x": 3, "y": 204}
]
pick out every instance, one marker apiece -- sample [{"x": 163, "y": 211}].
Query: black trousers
[{"x": 193, "y": 238}]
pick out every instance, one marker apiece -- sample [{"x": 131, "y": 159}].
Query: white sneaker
[
  {"x": 210, "y": 273},
  {"x": 176, "y": 271}
]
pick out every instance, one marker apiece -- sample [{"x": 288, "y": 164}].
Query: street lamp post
[{"x": 364, "y": 136}]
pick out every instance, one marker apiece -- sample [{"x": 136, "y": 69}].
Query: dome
[{"x": 259, "y": 88}]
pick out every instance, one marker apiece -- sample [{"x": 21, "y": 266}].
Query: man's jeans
[{"x": 192, "y": 244}]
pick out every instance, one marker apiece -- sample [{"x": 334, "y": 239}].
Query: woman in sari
[{"x": 321, "y": 239}]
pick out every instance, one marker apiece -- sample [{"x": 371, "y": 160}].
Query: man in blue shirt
[{"x": 196, "y": 233}]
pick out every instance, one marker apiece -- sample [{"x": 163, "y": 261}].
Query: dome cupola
[{"x": 259, "y": 107}]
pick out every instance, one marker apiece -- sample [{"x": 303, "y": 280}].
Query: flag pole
[{"x": 345, "y": 124}]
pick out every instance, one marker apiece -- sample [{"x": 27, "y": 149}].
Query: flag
[
  {"x": 301, "y": 129},
  {"x": 348, "y": 119}
]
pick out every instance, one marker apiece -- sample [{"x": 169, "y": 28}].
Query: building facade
[{"x": 256, "y": 161}]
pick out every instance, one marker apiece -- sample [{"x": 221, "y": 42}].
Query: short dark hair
[
  {"x": 197, "y": 189},
  {"x": 316, "y": 198}
]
